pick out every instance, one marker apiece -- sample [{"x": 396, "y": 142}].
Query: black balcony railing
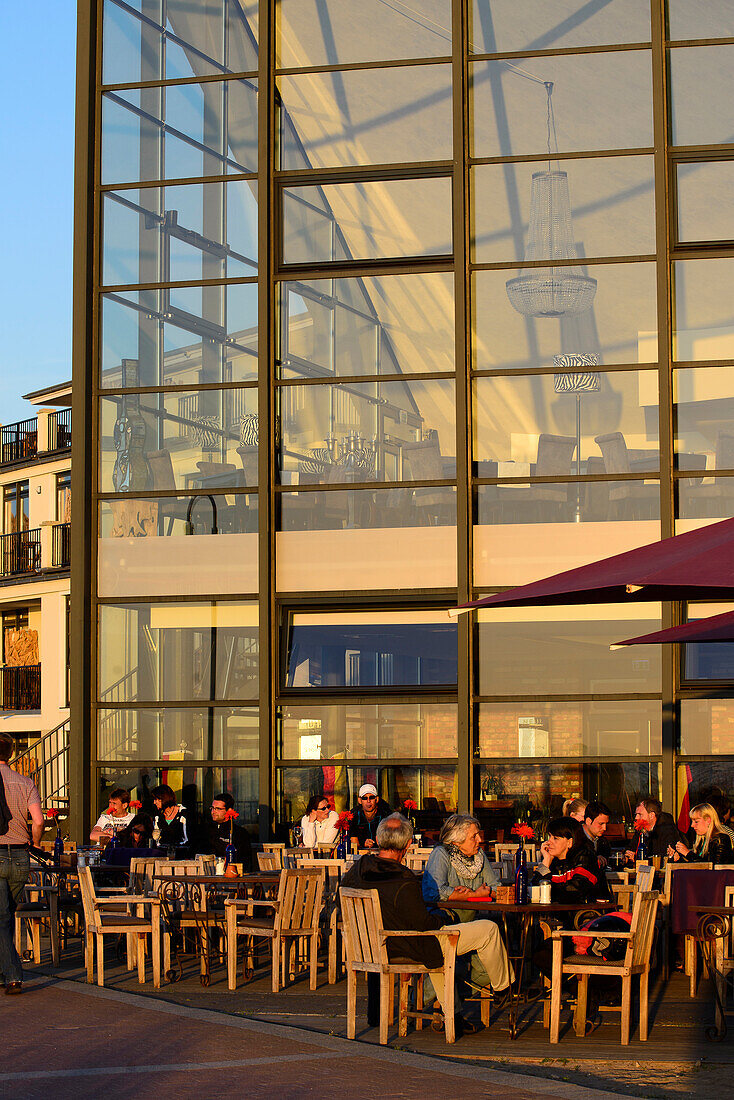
[
  {"x": 19, "y": 441},
  {"x": 61, "y": 548},
  {"x": 59, "y": 430},
  {"x": 20, "y": 552},
  {"x": 21, "y": 687}
]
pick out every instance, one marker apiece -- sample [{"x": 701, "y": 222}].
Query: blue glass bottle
[
  {"x": 58, "y": 847},
  {"x": 521, "y": 877},
  {"x": 230, "y": 856},
  {"x": 341, "y": 848},
  {"x": 642, "y": 846}
]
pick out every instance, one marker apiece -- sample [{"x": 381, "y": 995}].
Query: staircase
[{"x": 47, "y": 764}]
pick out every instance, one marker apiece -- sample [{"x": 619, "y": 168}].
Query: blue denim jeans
[{"x": 14, "y": 870}]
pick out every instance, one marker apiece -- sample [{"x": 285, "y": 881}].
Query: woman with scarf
[{"x": 457, "y": 867}]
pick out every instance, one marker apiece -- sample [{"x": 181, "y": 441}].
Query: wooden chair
[
  {"x": 690, "y": 955},
  {"x": 417, "y": 858},
  {"x": 636, "y": 961},
  {"x": 724, "y": 956},
  {"x": 366, "y": 947},
  {"x": 626, "y": 891},
  {"x": 40, "y": 904},
  {"x": 275, "y": 850},
  {"x": 333, "y": 871},
  {"x": 290, "y": 856},
  {"x": 294, "y": 916},
  {"x": 119, "y": 921},
  {"x": 182, "y": 906},
  {"x": 511, "y": 849},
  {"x": 269, "y": 861},
  {"x": 142, "y": 869}
]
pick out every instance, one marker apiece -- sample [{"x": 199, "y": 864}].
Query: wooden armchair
[
  {"x": 333, "y": 871},
  {"x": 366, "y": 947},
  {"x": 111, "y": 916},
  {"x": 269, "y": 861},
  {"x": 417, "y": 858},
  {"x": 636, "y": 961},
  {"x": 724, "y": 957},
  {"x": 690, "y": 956}
]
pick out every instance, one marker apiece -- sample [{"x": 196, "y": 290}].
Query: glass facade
[{"x": 387, "y": 307}]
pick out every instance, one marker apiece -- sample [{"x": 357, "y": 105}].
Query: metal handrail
[
  {"x": 61, "y": 545},
  {"x": 47, "y": 764},
  {"x": 18, "y": 441},
  {"x": 20, "y": 552},
  {"x": 20, "y": 687},
  {"x": 59, "y": 430}
]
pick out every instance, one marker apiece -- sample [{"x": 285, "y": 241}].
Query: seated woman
[
  {"x": 170, "y": 819},
  {"x": 457, "y": 868},
  {"x": 712, "y": 844},
  {"x": 319, "y": 823},
  {"x": 570, "y": 863},
  {"x": 138, "y": 833}
]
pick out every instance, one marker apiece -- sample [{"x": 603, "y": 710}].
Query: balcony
[
  {"x": 20, "y": 553},
  {"x": 19, "y": 441},
  {"x": 61, "y": 545},
  {"x": 21, "y": 687},
  {"x": 59, "y": 430}
]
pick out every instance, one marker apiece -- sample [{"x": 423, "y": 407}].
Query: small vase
[
  {"x": 341, "y": 848},
  {"x": 58, "y": 847},
  {"x": 230, "y": 856}
]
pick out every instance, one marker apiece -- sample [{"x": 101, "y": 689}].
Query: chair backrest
[
  {"x": 416, "y": 860},
  {"x": 249, "y": 460},
  {"x": 300, "y": 897},
  {"x": 161, "y": 469},
  {"x": 554, "y": 454},
  {"x": 645, "y": 877},
  {"x": 268, "y": 861},
  {"x": 89, "y": 897},
  {"x": 290, "y": 855},
  {"x": 424, "y": 461},
  {"x": 643, "y": 927},
  {"x": 275, "y": 850},
  {"x": 362, "y": 922},
  {"x": 725, "y": 451},
  {"x": 142, "y": 869},
  {"x": 208, "y": 861},
  {"x": 671, "y": 868},
  {"x": 504, "y": 850},
  {"x": 323, "y": 851},
  {"x": 171, "y": 868},
  {"x": 332, "y": 868},
  {"x": 615, "y": 453}
]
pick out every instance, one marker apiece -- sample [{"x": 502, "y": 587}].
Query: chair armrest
[
  {"x": 440, "y": 933},
  {"x": 594, "y": 934},
  {"x": 127, "y": 899},
  {"x": 241, "y": 902}
]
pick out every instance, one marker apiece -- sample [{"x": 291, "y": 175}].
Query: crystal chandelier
[{"x": 551, "y": 291}]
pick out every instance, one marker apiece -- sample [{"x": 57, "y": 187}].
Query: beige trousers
[{"x": 482, "y": 936}]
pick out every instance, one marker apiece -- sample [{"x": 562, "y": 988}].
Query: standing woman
[
  {"x": 170, "y": 818},
  {"x": 712, "y": 844}
]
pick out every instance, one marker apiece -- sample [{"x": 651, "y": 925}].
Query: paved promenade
[{"x": 65, "y": 1040}]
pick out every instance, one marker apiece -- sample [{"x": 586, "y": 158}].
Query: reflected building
[{"x": 381, "y": 308}]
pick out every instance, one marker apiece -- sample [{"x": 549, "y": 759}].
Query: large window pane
[
  {"x": 500, "y": 26},
  {"x": 611, "y": 206},
  {"x": 367, "y": 431},
  {"x": 708, "y": 660},
  {"x": 370, "y": 650},
  {"x": 193, "y": 787},
  {"x": 178, "y": 652},
  {"x": 610, "y": 728},
  {"x": 701, "y": 89},
  {"x": 397, "y": 324},
  {"x": 202, "y": 439},
  {"x": 177, "y": 337},
  {"x": 172, "y": 733},
  {"x": 131, "y": 48},
  {"x": 703, "y": 498},
  {"x": 366, "y": 116},
  {"x": 188, "y": 233},
  {"x": 703, "y": 324},
  {"x": 542, "y": 425},
  {"x": 432, "y": 788},
  {"x": 376, "y": 731},
  {"x": 704, "y": 436},
  {"x": 706, "y": 726},
  {"x": 620, "y": 326},
  {"x": 378, "y": 510},
  {"x": 702, "y": 779},
  {"x": 341, "y": 32},
  {"x": 600, "y": 101},
  {"x": 135, "y": 555},
  {"x": 704, "y": 201},
  {"x": 179, "y": 131},
  {"x": 528, "y": 651},
  {"x": 689, "y": 19},
  {"x": 372, "y": 220}
]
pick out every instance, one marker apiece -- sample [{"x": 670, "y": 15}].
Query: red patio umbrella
[
  {"x": 717, "y": 628},
  {"x": 697, "y": 565}
]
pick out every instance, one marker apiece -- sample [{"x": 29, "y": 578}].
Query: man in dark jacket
[
  {"x": 216, "y": 833},
  {"x": 660, "y": 829},
  {"x": 368, "y": 813},
  {"x": 403, "y": 908},
  {"x": 596, "y": 819}
]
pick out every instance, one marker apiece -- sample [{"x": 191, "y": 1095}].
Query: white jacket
[{"x": 320, "y": 832}]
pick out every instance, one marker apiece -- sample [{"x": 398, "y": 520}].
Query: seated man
[
  {"x": 596, "y": 819},
  {"x": 659, "y": 827},
  {"x": 216, "y": 833},
  {"x": 117, "y": 816},
  {"x": 403, "y": 908},
  {"x": 368, "y": 813}
]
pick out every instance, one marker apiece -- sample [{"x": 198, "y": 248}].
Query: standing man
[
  {"x": 369, "y": 813},
  {"x": 21, "y": 798}
]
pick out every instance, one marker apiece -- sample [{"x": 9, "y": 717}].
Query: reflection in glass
[
  {"x": 178, "y": 651},
  {"x": 131, "y": 46},
  {"x": 690, "y": 19},
  {"x": 600, "y": 101},
  {"x": 371, "y": 220},
  {"x": 701, "y": 89},
  {"x": 179, "y": 131},
  {"x": 703, "y": 317},
  {"x": 396, "y": 324},
  {"x": 370, "y": 649},
  {"x": 367, "y": 431},
  {"x": 541, "y": 650},
  {"x": 181, "y": 336},
  {"x": 706, "y": 726},
  {"x": 704, "y": 437},
  {"x": 380, "y": 731},
  {"x": 610, "y": 728},
  {"x": 542, "y": 425},
  {"x": 704, "y": 201},
  {"x": 704, "y": 779},
  {"x": 372, "y": 509},
  {"x": 366, "y": 116},
  {"x": 510, "y": 789},
  {"x": 612, "y": 208},
  {"x": 433, "y": 789},
  {"x": 175, "y": 733},
  {"x": 705, "y": 498},
  {"x": 194, "y": 787},
  {"x": 192, "y": 516},
  {"x": 503, "y": 26},
  {"x": 179, "y": 440},
  {"x": 708, "y": 660},
  {"x": 192, "y": 232},
  {"x": 620, "y": 327},
  {"x": 341, "y": 32}
]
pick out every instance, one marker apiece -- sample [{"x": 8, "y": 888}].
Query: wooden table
[
  {"x": 713, "y": 927},
  {"x": 525, "y": 914}
]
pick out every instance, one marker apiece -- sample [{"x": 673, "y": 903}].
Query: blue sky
[{"x": 36, "y": 195}]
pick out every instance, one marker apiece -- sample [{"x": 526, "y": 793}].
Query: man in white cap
[{"x": 368, "y": 814}]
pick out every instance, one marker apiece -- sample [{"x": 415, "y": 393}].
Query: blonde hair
[
  {"x": 574, "y": 806},
  {"x": 705, "y": 810}
]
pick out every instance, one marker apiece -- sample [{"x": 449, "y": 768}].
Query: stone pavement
[{"x": 67, "y": 1040}]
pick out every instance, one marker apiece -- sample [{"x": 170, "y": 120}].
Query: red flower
[
  {"x": 135, "y": 805},
  {"x": 51, "y": 813},
  {"x": 525, "y": 831},
  {"x": 409, "y": 804},
  {"x": 344, "y": 819},
  {"x": 231, "y": 815},
  {"x": 639, "y": 825}
]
